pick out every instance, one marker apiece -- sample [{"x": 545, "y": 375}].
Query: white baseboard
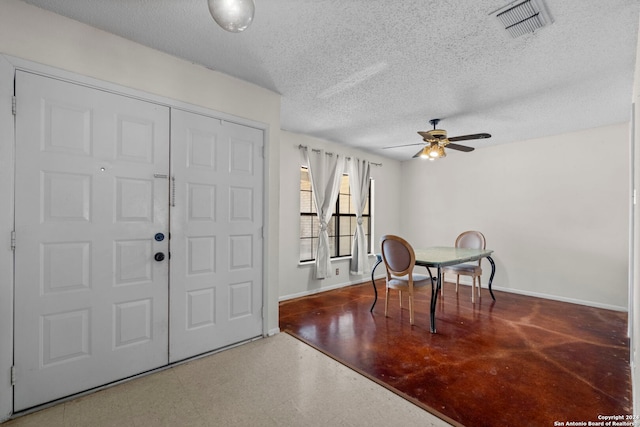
[
  {"x": 273, "y": 332},
  {"x": 551, "y": 297},
  {"x": 324, "y": 289},
  {"x": 561, "y": 298},
  {"x": 465, "y": 283}
]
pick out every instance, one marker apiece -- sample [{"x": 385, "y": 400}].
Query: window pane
[
  {"x": 332, "y": 248},
  {"x": 365, "y": 224},
  {"x": 306, "y": 202},
  {"x": 306, "y": 192},
  {"x": 354, "y": 224},
  {"x": 345, "y": 226},
  {"x": 367, "y": 230},
  {"x": 344, "y": 184},
  {"x": 306, "y": 252},
  {"x": 331, "y": 227},
  {"x": 366, "y": 208},
  {"x": 306, "y": 224},
  {"x": 315, "y": 226},
  {"x": 352, "y": 206},
  {"x": 343, "y": 200},
  {"x": 305, "y": 182},
  {"x": 345, "y": 245}
]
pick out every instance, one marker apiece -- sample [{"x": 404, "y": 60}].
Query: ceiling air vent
[{"x": 522, "y": 17}]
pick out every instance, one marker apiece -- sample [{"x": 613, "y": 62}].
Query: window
[{"x": 341, "y": 227}]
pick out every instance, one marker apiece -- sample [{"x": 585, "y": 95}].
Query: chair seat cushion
[
  {"x": 400, "y": 282},
  {"x": 463, "y": 269}
]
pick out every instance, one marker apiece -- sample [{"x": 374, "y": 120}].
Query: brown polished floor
[{"x": 519, "y": 361}]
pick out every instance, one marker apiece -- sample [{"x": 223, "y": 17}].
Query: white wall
[
  {"x": 36, "y": 35},
  {"x": 554, "y": 210},
  {"x": 295, "y": 279}
]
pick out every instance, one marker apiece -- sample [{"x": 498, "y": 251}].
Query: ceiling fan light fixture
[
  {"x": 432, "y": 151},
  {"x": 232, "y": 15},
  {"x": 439, "y": 149}
]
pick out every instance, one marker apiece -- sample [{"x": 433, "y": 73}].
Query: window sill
[
  {"x": 306, "y": 263},
  {"x": 303, "y": 263}
]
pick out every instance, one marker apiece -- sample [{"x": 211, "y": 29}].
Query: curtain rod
[{"x": 315, "y": 150}]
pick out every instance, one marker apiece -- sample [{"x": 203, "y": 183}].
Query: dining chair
[
  {"x": 399, "y": 260},
  {"x": 468, "y": 239}
]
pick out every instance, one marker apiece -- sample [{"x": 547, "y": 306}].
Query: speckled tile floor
[
  {"x": 518, "y": 361},
  {"x": 275, "y": 381}
]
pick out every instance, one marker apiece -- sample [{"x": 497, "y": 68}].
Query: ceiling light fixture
[
  {"x": 433, "y": 151},
  {"x": 232, "y": 15},
  {"x": 425, "y": 152}
]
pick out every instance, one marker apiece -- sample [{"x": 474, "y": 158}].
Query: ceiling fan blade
[
  {"x": 459, "y": 147},
  {"x": 468, "y": 137},
  {"x": 404, "y": 145}
]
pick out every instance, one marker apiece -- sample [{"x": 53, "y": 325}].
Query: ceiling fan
[{"x": 435, "y": 140}]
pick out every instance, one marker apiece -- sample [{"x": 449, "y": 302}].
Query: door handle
[{"x": 159, "y": 256}]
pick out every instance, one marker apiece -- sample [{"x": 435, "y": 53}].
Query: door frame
[
  {"x": 7, "y": 156},
  {"x": 8, "y": 67}
]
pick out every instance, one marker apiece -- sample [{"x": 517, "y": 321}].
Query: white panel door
[
  {"x": 216, "y": 245},
  {"x": 91, "y": 302}
]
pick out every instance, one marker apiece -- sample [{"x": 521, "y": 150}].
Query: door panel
[
  {"x": 91, "y": 302},
  {"x": 216, "y": 272}
]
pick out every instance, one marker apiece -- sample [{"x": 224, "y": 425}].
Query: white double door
[{"x": 138, "y": 237}]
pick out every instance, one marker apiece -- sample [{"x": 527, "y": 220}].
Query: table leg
[
  {"x": 434, "y": 298},
  {"x": 373, "y": 282},
  {"x": 493, "y": 272},
  {"x": 430, "y": 275}
]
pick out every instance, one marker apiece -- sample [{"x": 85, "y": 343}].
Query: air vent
[{"x": 522, "y": 17}]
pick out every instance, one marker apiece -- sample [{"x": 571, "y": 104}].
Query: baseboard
[
  {"x": 272, "y": 332},
  {"x": 552, "y": 297},
  {"x": 562, "y": 299},
  {"x": 320, "y": 290},
  {"x": 464, "y": 283}
]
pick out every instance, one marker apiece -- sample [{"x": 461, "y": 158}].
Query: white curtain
[
  {"x": 359, "y": 180},
  {"x": 325, "y": 171}
]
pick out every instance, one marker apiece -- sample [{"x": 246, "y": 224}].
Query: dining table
[{"x": 439, "y": 257}]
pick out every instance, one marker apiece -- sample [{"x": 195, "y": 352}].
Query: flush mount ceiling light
[
  {"x": 521, "y": 17},
  {"x": 232, "y": 15}
]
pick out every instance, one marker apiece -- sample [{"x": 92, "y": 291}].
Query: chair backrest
[
  {"x": 471, "y": 239},
  {"x": 398, "y": 255}
]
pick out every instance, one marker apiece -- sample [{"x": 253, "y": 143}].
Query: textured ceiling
[{"x": 371, "y": 73}]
